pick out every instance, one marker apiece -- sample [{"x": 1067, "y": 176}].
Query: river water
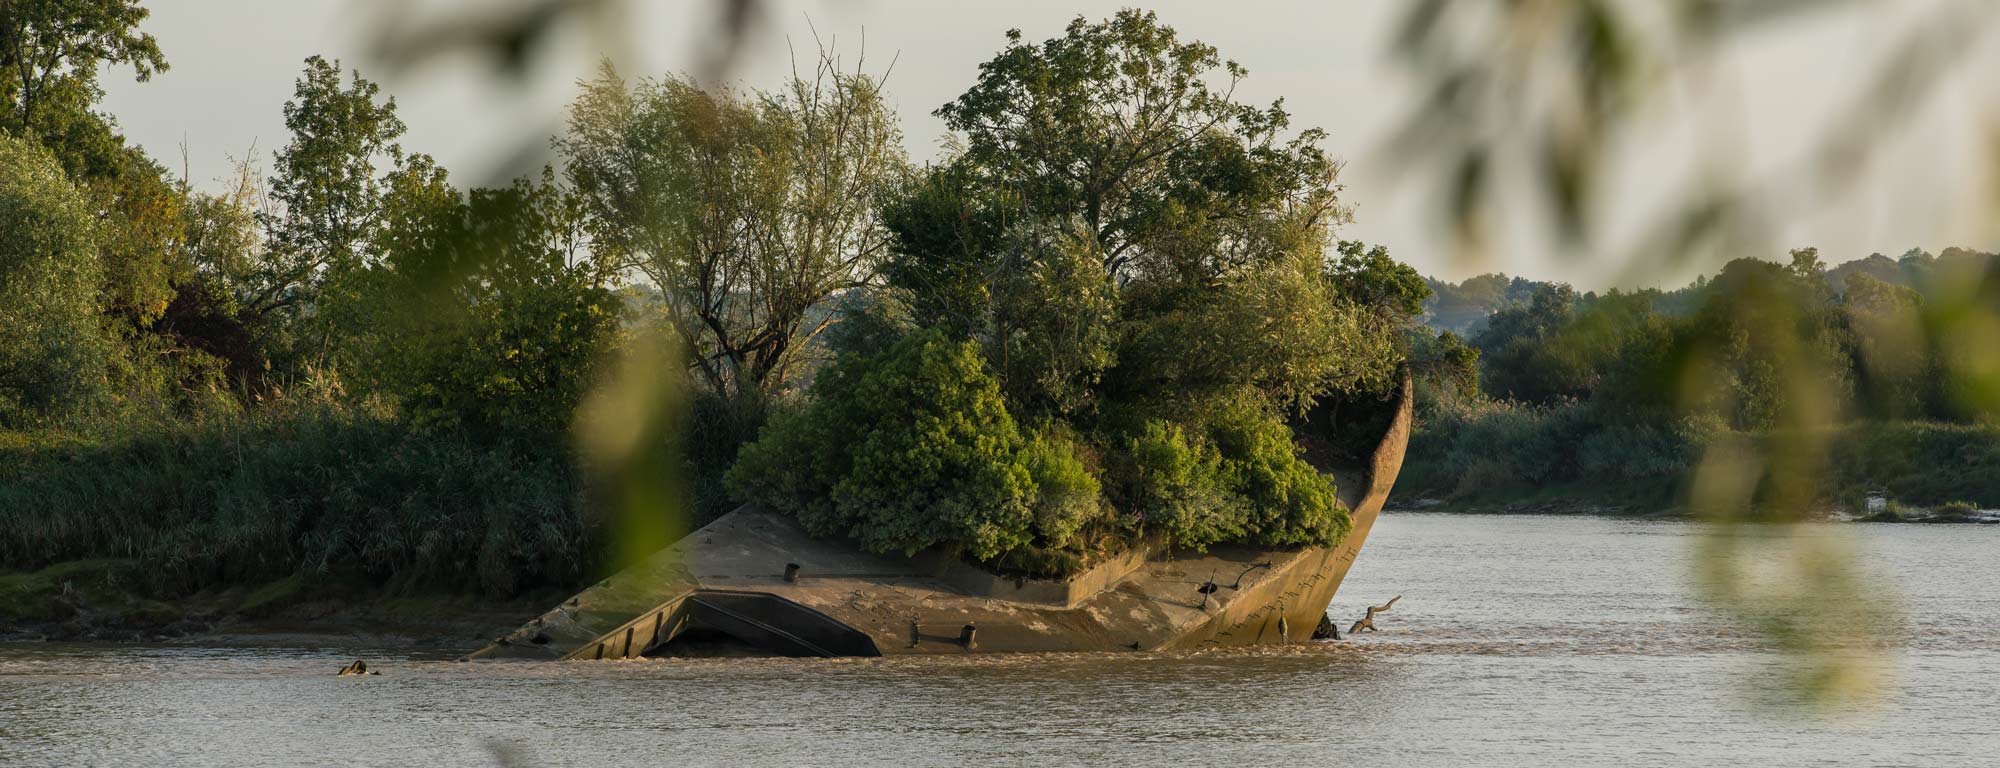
[{"x": 1519, "y": 641}]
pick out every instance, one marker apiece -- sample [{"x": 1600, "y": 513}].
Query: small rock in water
[{"x": 359, "y": 667}]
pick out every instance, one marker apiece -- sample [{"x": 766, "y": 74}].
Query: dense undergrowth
[{"x": 317, "y": 490}]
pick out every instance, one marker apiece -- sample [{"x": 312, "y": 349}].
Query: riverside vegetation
[
  {"x": 1113, "y": 312},
  {"x": 1563, "y": 400}
]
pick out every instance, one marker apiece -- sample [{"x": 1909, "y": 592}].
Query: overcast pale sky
[{"x": 234, "y": 62}]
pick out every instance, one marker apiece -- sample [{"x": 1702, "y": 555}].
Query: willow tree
[{"x": 748, "y": 210}]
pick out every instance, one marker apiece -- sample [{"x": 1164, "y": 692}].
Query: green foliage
[
  {"x": 483, "y": 315},
  {"x": 328, "y": 195},
  {"x": 1175, "y": 486},
  {"x": 1918, "y": 462},
  {"x": 945, "y": 230},
  {"x": 1051, "y": 331},
  {"x": 1067, "y": 494},
  {"x": 1285, "y": 501},
  {"x": 303, "y": 488},
  {"x": 1514, "y": 346},
  {"x": 1179, "y": 180},
  {"x": 1486, "y": 449},
  {"x": 747, "y": 211},
  {"x": 55, "y": 47},
  {"x": 713, "y": 432},
  {"x": 1367, "y": 276},
  {"x": 1281, "y": 329},
  {"x": 53, "y": 351},
  {"x": 905, "y": 451},
  {"x": 1445, "y": 367},
  {"x": 1238, "y": 478}
]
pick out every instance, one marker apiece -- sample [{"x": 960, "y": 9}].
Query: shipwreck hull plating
[{"x": 847, "y": 602}]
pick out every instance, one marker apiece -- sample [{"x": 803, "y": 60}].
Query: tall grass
[{"x": 309, "y": 488}]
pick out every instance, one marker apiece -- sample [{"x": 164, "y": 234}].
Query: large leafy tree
[
  {"x": 748, "y": 211},
  {"x": 1211, "y": 220},
  {"x": 50, "y": 51},
  {"x": 51, "y": 54},
  {"x": 327, "y": 192},
  {"x": 1117, "y": 122}
]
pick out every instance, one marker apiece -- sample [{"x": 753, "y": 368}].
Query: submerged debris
[
  {"x": 358, "y": 668},
  {"x": 1368, "y": 622}
]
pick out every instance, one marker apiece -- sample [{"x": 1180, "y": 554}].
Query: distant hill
[{"x": 1463, "y": 307}]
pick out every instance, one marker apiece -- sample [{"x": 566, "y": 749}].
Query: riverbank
[
  {"x": 1510, "y": 459},
  {"x": 111, "y": 600}
]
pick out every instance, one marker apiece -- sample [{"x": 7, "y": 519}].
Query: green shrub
[
  {"x": 1067, "y": 495},
  {"x": 902, "y": 451},
  {"x": 1489, "y": 447},
  {"x": 1286, "y": 502},
  {"x": 480, "y": 318},
  {"x": 1178, "y": 488},
  {"x": 1955, "y": 512}
]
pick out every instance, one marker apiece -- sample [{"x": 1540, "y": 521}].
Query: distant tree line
[{"x": 1628, "y": 386}]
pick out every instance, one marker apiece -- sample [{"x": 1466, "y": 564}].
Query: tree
[
  {"x": 51, "y": 52},
  {"x": 53, "y": 48},
  {"x": 1212, "y": 219},
  {"x": 1115, "y": 122},
  {"x": 748, "y": 211},
  {"x": 1893, "y": 370},
  {"x": 143, "y": 254},
  {"x": 483, "y": 313},
  {"x": 52, "y": 348},
  {"x": 1368, "y": 277},
  {"x": 1052, "y": 326},
  {"x": 1766, "y": 348},
  {"x": 1513, "y": 343},
  {"x": 327, "y": 193},
  {"x": 1446, "y": 368}
]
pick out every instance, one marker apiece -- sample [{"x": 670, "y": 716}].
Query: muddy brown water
[{"x": 1520, "y": 641}]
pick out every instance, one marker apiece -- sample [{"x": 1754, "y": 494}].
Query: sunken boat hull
[{"x": 728, "y": 588}]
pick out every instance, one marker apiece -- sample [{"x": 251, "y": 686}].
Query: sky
[{"x": 234, "y": 63}]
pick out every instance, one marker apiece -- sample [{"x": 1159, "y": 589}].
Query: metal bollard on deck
[{"x": 791, "y": 572}]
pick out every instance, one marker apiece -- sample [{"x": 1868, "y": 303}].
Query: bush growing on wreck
[
  {"x": 902, "y": 451},
  {"x": 1067, "y": 495},
  {"x": 1176, "y": 485},
  {"x": 1238, "y": 479}
]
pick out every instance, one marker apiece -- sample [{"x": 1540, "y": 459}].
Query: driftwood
[{"x": 1368, "y": 622}]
